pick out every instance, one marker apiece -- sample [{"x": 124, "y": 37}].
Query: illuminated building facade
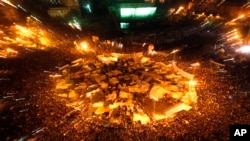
[
  {"x": 63, "y": 8},
  {"x": 125, "y": 13},
  {"x": 131, "y": 11},
  {"x": 57, "y": 12}
]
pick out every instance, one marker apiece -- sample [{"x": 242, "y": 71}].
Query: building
[
  {"x": 129, "y": 12},
  {"x": 63, "y": 8},
  {"x": 59, "y": 12}
]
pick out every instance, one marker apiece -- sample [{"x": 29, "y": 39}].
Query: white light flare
[
  {"x": 240, "y": 17},
  {"x": 9, "y": 3},
  {"x": 174, "y": 51},
  {"x": 244, "y": 49},
  {"x": 179, "y": 10}
]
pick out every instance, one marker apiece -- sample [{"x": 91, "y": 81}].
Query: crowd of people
[{"x": 30, "y": 111}]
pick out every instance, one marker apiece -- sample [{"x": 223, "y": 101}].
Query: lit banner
[{"x": 141, "y": 12}]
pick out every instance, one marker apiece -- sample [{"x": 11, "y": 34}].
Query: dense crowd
[{"x": 32, "y": 111}]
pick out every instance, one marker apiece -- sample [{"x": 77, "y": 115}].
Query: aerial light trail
[
  {"x": 204, "y": 24},
  {"x": 179, "y": 10},
  {"x": 221, "y": 2},
  {"x": 237, "y": 43},
  {"x": 19, "y": 6},
  {"x": 234, "y": 37},
  {"x": 235, "y": 19},
  {"x": 240, "y": 17},
  {"x": 9, "y": 3},
  {"x": 232, "y": 31},
  {"x": 35, "y": 18},
  {"x": 246, "y": 5}
]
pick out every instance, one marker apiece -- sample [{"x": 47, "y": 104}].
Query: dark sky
[{"x": 236, "y": 2}]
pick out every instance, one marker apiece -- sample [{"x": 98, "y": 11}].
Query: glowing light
[
  {"x": 21, "y": 8},
  {"x": 195, "y": 64},
  {"x": 9, "y": 50},
  {"x": 192, "y": 82},
  {"x": 88, "y": 7},
  {"x": 174, "y": 51},
  {"x": 124, "y": 25},
  {"x": 98, "y": 104},
  {"x": 177, "y": 108},
  {"x": 9, "y": 3},
  {"x": 35, "y": 18},
  {"x": 179, "y": 10},
  {"x": 233, "y": 37},
  {"x": 143, "y": 118},
  {"x": 55, "y": 76},
  {"x": 109, "y": 103},
  {"x": 23, "y": 30},
  {"x": 107, "y": 60},
  {"x": 78, "y": 26},
  {"x": 84, "y": 45},
  {"x": 137, "y": 12},
  {"x": 75, "y": 25},
  {"x": 244, "y": 49},
  {"x": 44, "y": 41},
  {"x": 127, "y": 12},
  {"x": 240, "y": 17}
]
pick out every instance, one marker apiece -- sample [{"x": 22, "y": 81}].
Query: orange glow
[
  {"x": 174, "y": 51},
  {"x": 112, "y": 102},
  {"x": 23, "y": 30},
  {"x": 192, "y": 82},
  {"x": 44, "y": 41},
  {"x": 84, "y": 45},
  {"x": 9, "y": 50},
  {"x": 240, "y": 17},
  {"x": 195, "y": 64},
  {"x": 179, "y": 10},
  {"x": 107, "y": 60},
  {"x": 143, "y": 118}
]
